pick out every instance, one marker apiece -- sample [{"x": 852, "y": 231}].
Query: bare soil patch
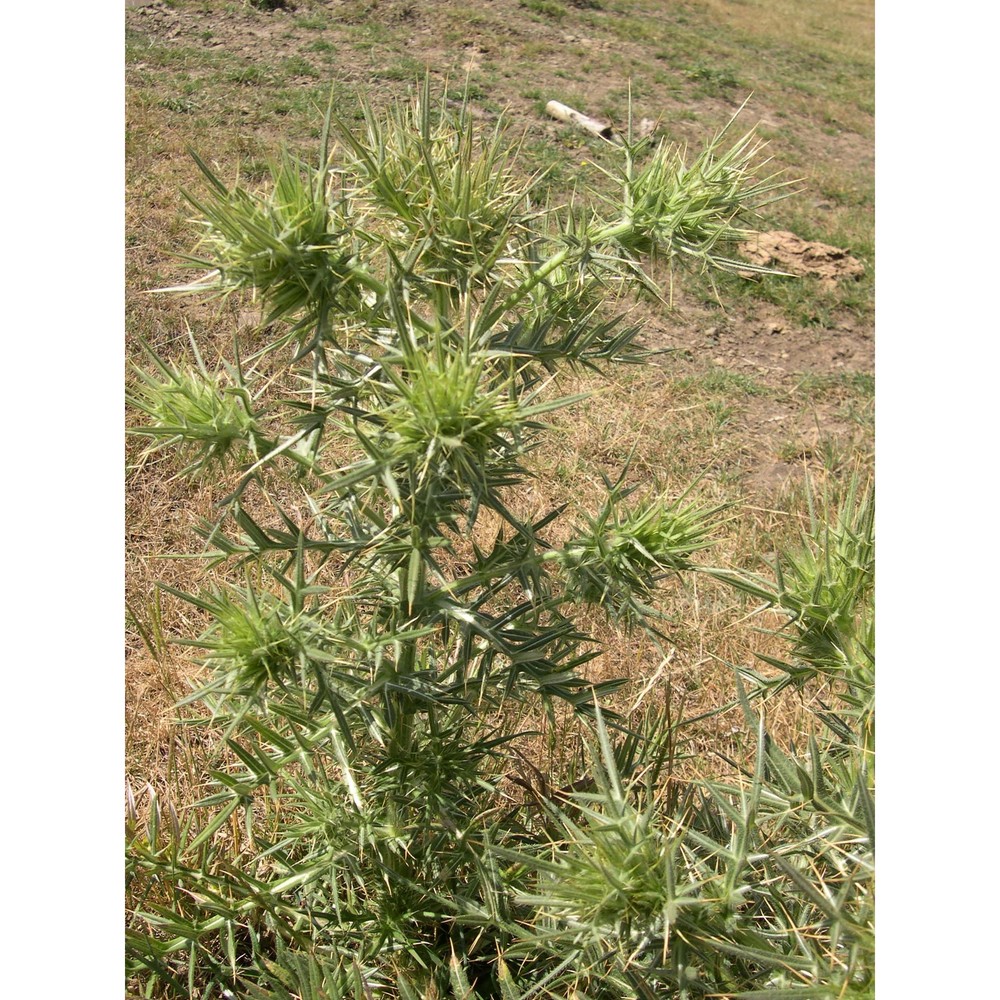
[{"x": 787, "y": 252}]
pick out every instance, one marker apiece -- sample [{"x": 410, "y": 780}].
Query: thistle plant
[
  {"x": 674, "y": 208},
  {"x": 825, "y": 592},
  {"x": 617, "y": 560},
  {"x": 757, "y": 889},
  {"x": 297, "y": 246},
  {"x": 196, "y": 409},
  {"x": 419, "y": 302},
  {"x": 448, "y": 195}
]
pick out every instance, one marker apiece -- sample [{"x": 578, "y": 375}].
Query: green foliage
[
  {"x": 301, "y": 975},
  {"x": 296, "y": 245},
  {"x": 757, "y": 889},
  {"x": 547, "y": 8},
  {"x": 450, "y": 191},
  {"x": 618, "y": 558},
  {"x": 675, "y": 209},
  {"x": 826, "y": 592},
  {"x": 358, "y": 838},
  {"x": 197, "y": 410},
  {"x": 712, "y": 79}
]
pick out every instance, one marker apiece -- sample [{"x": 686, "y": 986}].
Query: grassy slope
[{"x": 777, "y": 382}]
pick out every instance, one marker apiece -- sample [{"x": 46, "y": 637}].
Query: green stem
[{"x": 610, "y": 232}]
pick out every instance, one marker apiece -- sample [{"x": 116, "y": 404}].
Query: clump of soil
[{"x": 791, "y": 253}]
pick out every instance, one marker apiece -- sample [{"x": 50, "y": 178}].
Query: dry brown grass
[{"x": 845, "y": 37}]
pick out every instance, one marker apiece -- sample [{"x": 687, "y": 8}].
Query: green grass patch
[
  {"x": 823, "y": 385},
  {"x": 546, "y": 8},
  {"x": 298, "y": 66},
  {"x": 722, "y": 381},
  {"x": 313, "y": 21}
]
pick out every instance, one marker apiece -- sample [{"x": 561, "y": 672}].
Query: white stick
[{"x": 565, "y": 114}]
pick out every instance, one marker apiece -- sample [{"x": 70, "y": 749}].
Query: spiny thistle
[{"x": 197, "y": 410}]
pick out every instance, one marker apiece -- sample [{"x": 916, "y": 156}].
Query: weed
[
  {"x": 391, "y": 596},
  {"x": 181, "y": 106},
  {"x": 312, "y": 22},
  {"x": 418, "y": 909},
  {"x": 547, "y": 8},
  {"x": 298, "y": 66},
  {"x": 723, "y": 381},
  {"x": 248, "y": 76},
  {"x": 817, "y": 386},
  {"x": 713, "y": 80}
]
